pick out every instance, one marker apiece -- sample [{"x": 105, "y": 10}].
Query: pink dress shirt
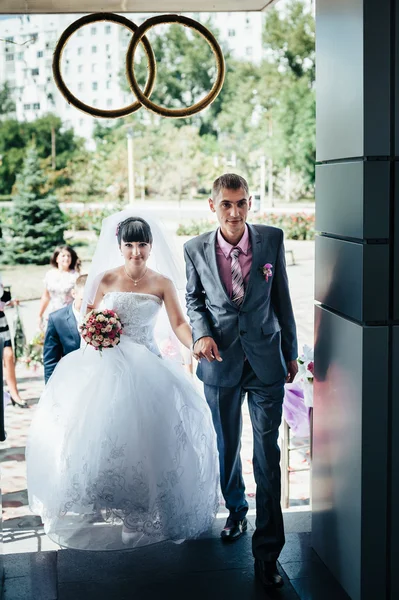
[{"x": 223, "y": 258}]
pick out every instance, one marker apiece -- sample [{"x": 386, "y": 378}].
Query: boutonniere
[{"x": 266, "y": 271}]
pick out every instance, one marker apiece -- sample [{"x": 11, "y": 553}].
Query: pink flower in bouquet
[
  {"x": 101, "y": 329},
  {"x": 311, "y": 367}
]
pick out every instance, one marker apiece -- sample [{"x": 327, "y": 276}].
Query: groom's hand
[
  {"x": 292, "y": 368},
  {"x": 206, "y": 347}
]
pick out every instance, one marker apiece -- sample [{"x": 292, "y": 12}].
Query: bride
[{"x": 122, "y": 451}]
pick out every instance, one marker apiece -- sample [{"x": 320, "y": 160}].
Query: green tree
[
  {"x": 37, "y": 223},
  {"x": 289, "y": 39},
  {"x": 15, "y": 136},
  {"x": 7, "y": 104}
]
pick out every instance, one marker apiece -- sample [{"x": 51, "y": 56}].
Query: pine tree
[{"x": 37, "y": 223}]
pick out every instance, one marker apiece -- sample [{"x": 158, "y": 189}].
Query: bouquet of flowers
[
  {"x": 33, "y": 356},
  {"x": 101, "y": 329},
  {"x": 306, "y": 374}
]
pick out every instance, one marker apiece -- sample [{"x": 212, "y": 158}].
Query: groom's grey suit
[{"x": 255, "y": 340}]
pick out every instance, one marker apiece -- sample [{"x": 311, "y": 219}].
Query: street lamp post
[{"x": 130, "y": 164}]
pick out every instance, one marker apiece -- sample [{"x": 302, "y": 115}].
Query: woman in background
[{"x": 59, "y": 282}]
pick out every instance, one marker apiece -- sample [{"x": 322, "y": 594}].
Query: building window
[
  {"x": 34, "y": 72},
  {"x": 80, "y": 86},
  {"x": 80, "y": 68},
  {"x": 26, "y": 106},
  {"x": 108, "y": 84},
  {"x": 108, "y": 29},
  {"x": 80, "y": 32},
  {"x": 95, "y": 102},
  {"x": 249, "y": 51},
  {"x": 108, "y": 65},
  {"x": 231, "y": 32},
  {"x": 36, "y": 106},
  {"x": 107, "y": 48},
  {"x": 80, "y": 51},
  {"x": 93, "y": 30},
  {"x": 40, "y": 54},
  {"x": 109, "y": 102},
  {"x": 93, "y": 49},
  {"x": 248, "y": 21},
  {"x": 20, "y": 56},
  {"x": 9, "y": 57},
  {"x": 9, "y": 39},
  {"x": 94, "y": 68},
  {"x": 94, "y": 85}
]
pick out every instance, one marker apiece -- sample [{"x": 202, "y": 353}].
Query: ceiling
[{"x": 120, "y": 6}]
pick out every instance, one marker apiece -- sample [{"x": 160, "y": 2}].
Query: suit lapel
[
  {"x": 210, "y": 253},
  {"x": 73, "y": 328},
  {"x": 256, "y": 244}
]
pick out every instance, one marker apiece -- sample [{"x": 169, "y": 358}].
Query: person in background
[
  {"x": 62, "y": 334},
  {"x": 8, "y": 357},
  {"x": 59, "y": 282}
]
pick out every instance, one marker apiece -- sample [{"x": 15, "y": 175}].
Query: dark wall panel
[
  {"x": 339, "y": 76},
  {"x": 337, "y": 442},
  {"x": 350, "y": 415},
  {"x": 377, "y": 78},
  {"x": 352, "y": 278},
  {"x": 353, "y": 199},
  {"x": 394, "y": 516},
  {"x": 395, "y": 266}
]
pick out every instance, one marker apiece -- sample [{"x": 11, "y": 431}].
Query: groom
[{"x": 244, "y": 337}]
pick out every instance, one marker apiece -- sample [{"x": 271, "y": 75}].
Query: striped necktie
[{"x": 237, "y": 278}]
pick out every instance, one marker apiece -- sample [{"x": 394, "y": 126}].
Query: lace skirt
[{"x": 122, "y": 452}]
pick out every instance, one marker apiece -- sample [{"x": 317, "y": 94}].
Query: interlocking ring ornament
[
  {"x": 139, "y": 36},
  {"x": 143, "y": 98},
  {"x": 69, "y": 97}
]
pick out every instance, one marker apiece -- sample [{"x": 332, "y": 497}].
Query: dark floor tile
[
  {"x": 308, "y": 568},
  {"x": 18, "y": 588},
  {"x": 319, "y": 587},
  {"x": 192, "y": 556},
  {"x": 30, "y": 564},
  {"x": 297, "y": 548},
  {"x": 37, "y": 570},
  {"x": 214, "y": 585}
]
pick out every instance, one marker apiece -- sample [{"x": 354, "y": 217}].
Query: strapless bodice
[{"x": 138, "y": 313}]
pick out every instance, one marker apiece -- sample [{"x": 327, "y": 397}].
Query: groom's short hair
[
  {"x": 80, "y": 282},
  {"x": 229, "y": 181}
]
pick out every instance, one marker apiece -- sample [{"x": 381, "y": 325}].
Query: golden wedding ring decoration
[{"x": 143, "y": 96}]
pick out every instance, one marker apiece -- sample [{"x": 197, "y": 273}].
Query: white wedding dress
[{"x": 122, "y": 451}]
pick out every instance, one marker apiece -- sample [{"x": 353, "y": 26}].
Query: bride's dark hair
[{"x": 134, "y": 229}]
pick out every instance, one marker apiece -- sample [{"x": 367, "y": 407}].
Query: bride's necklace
[{"x": 135, "y": 281}]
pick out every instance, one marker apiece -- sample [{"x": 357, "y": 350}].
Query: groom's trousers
[{"x": 265, "y": 408}]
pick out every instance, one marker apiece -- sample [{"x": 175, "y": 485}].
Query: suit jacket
[
  {"x": 62, "y": 336},
  {"x": 262, "y": 329}
]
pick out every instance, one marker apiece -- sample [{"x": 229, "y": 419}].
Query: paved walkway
[{"x": 23, "y": 530}]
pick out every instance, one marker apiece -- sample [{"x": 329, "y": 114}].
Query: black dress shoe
[
  {"x": 233, "y": 529},
  {"x": 267, "y": 573}
]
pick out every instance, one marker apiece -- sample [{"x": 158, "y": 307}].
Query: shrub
[{"x": 298, "y": 226}]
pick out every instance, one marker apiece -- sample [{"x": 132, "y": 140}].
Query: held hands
[
  {"x": 206, "y": 347},
  {"x": 292, "y": 367}
]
